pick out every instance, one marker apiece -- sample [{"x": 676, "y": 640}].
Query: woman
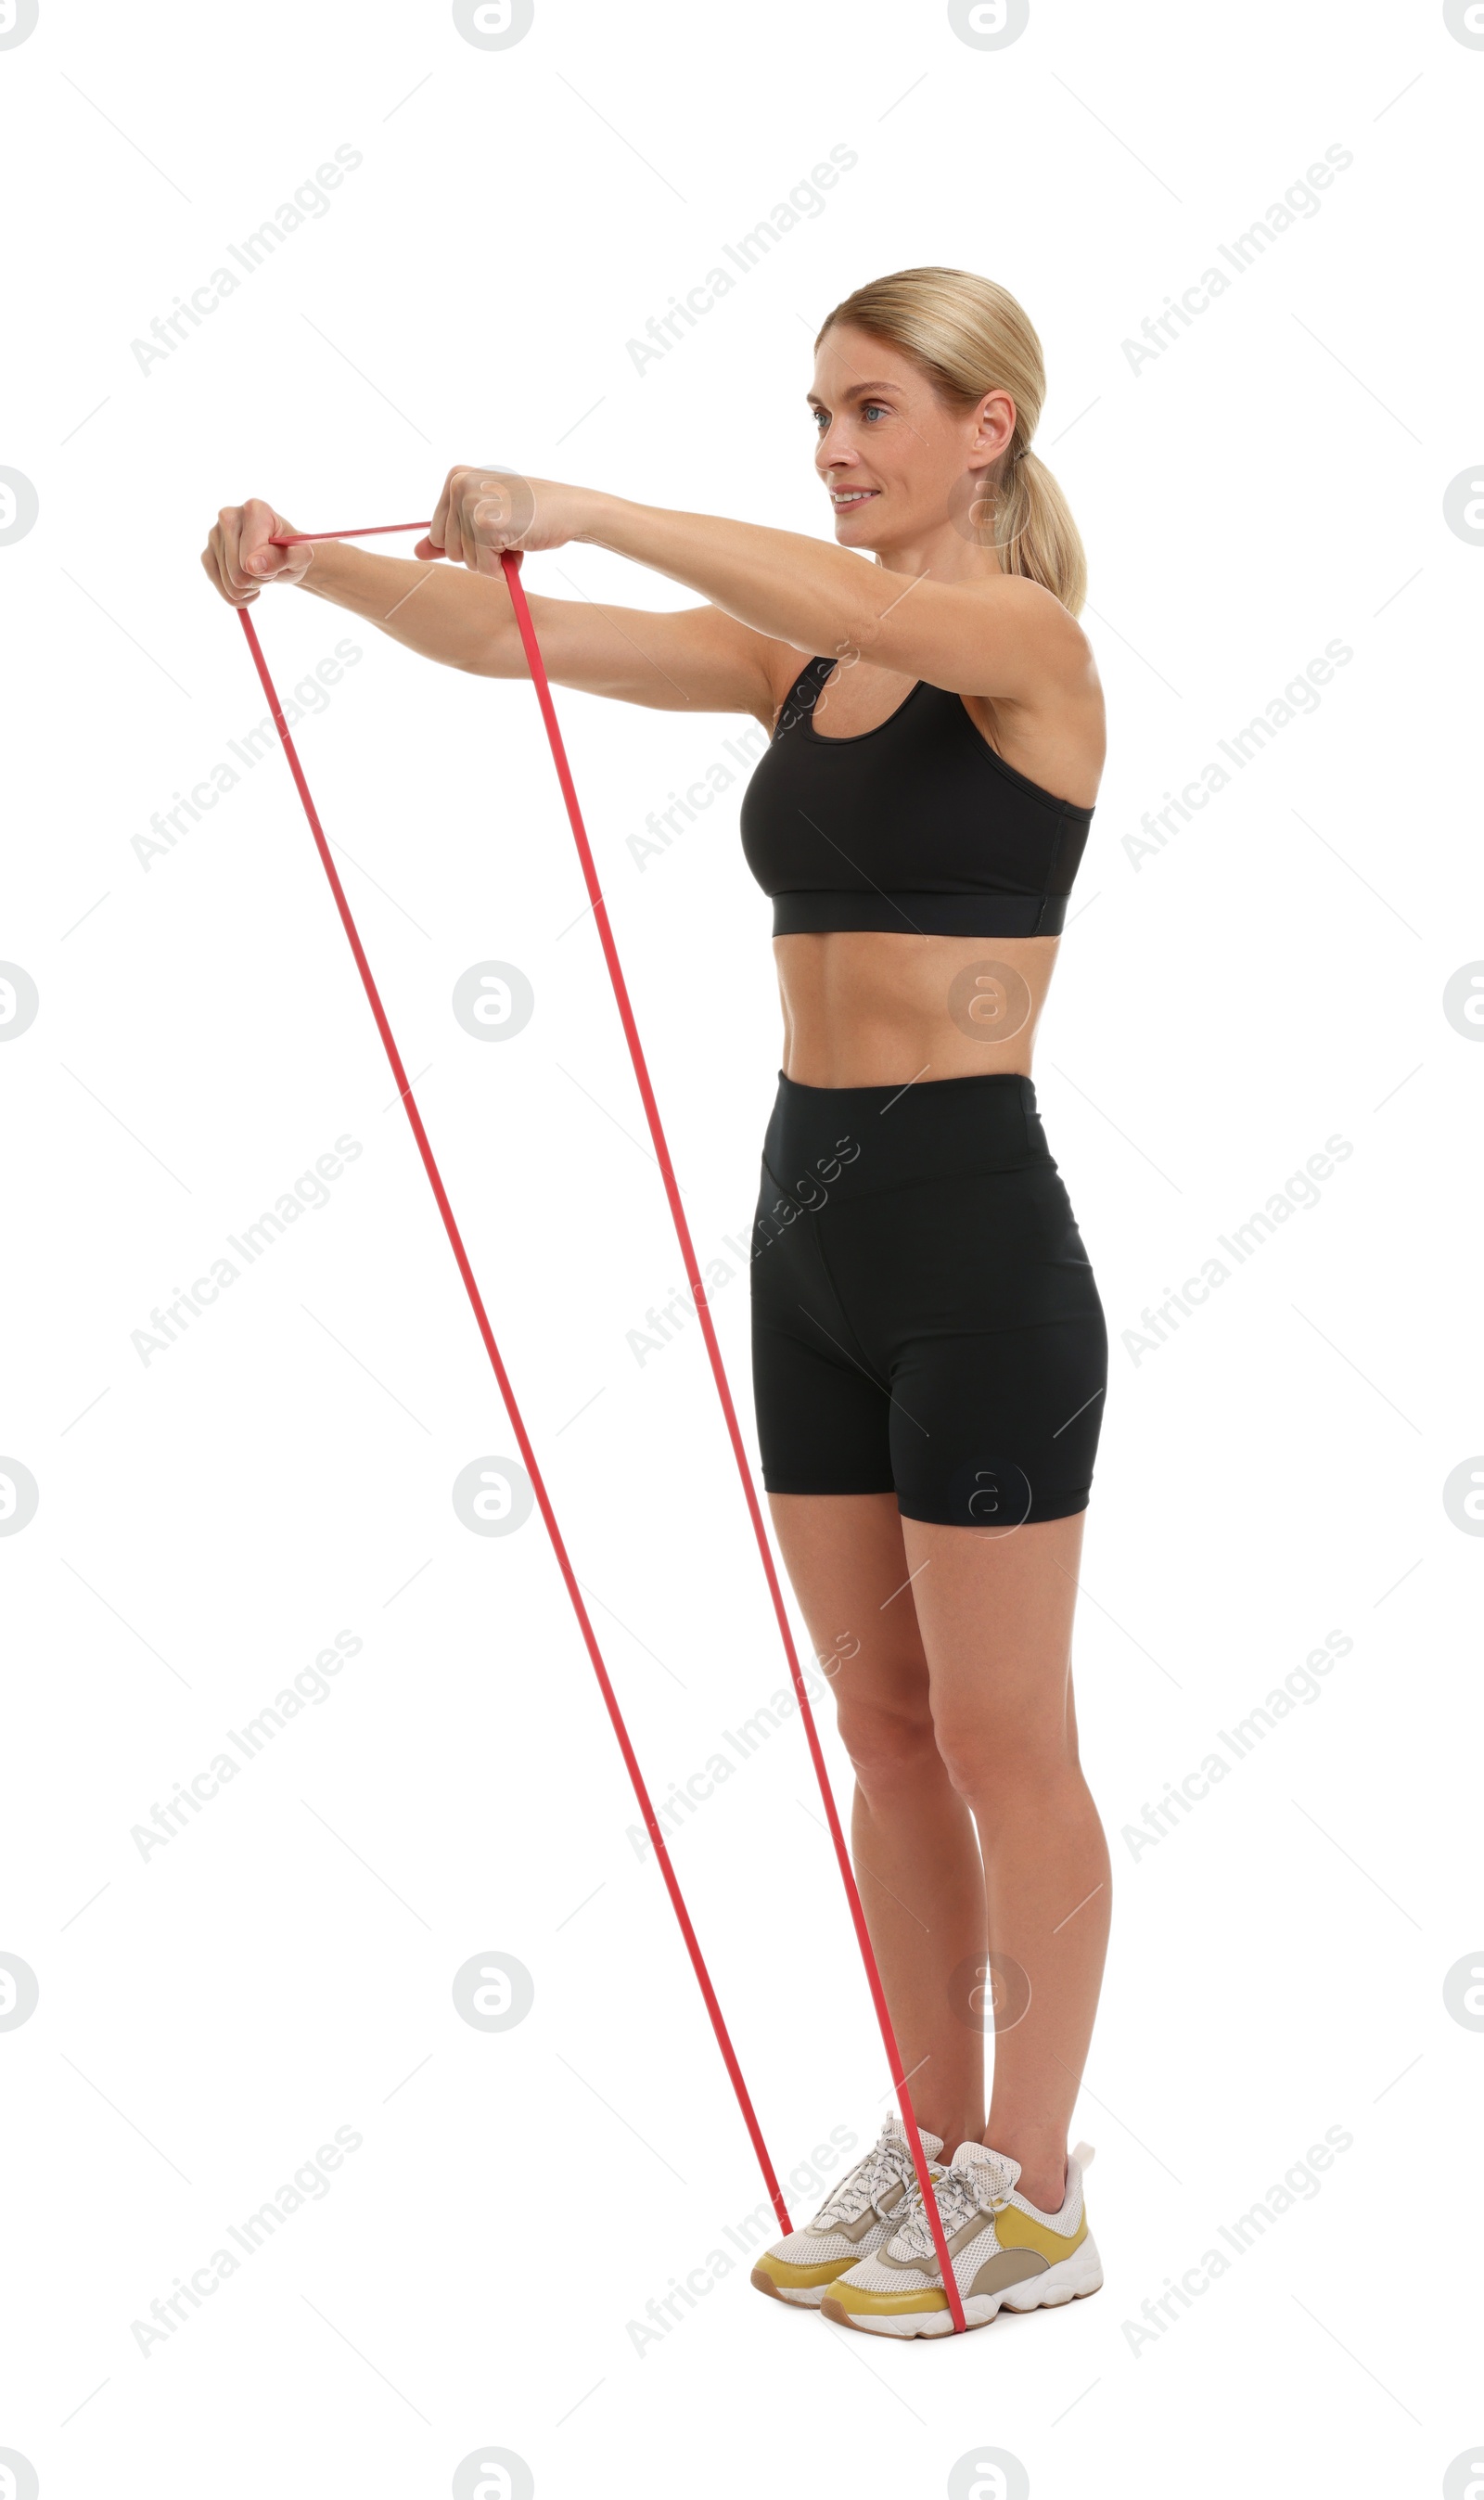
[{"x": 928, "y": 1348}]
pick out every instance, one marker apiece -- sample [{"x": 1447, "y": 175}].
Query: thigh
[
  {"x": 995, "y": 1613},
  {"x": 846, "y": 1559}
]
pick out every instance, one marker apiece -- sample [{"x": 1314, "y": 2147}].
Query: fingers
[
  {"x": 493, "y": 520},
  {"x": 257, "y": 558},
  {"x": 487, "y": 518},
  {"x": 220, "y": 558},
  {"x": 480, "y": 512},
  {"x": 437, "y": 540},
  {"x": 446, "y": 530},
  {"x": 213, "y": 564},
  {"x": 239, "y": 558},
  {"x": 468, "y": 534}
]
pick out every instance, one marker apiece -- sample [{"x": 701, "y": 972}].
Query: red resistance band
[{"x": 510, "y": 565}]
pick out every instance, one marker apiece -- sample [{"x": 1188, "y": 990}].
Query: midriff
[{"x": 872, "y": 1007}]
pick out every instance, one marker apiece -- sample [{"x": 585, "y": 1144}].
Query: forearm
[
  {"x": 461, "y": 619},
  {"x": 796, "y": 589}
]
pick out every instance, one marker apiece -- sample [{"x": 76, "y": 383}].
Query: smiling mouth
[{"x": 846, "y": 501}]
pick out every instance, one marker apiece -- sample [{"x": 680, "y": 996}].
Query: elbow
[{"x": 493, "y": 655}]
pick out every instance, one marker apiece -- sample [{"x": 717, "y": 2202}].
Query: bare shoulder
[
  {"x": 996, "y": 635},
  {"x": 1026, "y": 653},
  {"x": 1038, "y": 702},
  {"x": 1039, "y": 620}
]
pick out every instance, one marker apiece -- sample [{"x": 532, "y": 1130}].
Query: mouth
[{"x": 849, "y": 499}]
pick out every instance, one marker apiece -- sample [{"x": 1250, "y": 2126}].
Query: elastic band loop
[{"x": 511, "y": 559}]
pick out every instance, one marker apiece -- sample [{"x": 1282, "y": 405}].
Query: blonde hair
[{"x": 969, "y": 336}]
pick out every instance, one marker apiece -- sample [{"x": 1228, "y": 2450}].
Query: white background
[{"x": 1273, "y": 480}]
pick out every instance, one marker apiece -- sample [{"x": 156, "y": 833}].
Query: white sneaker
[
  {"x": 1006, "y": 2254},
  {"x": 855, "y": 2220}
]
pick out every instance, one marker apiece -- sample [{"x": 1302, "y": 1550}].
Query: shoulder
[
  {"x": 1023, "y": 646},
  {"x": 1036, "y": 612}
]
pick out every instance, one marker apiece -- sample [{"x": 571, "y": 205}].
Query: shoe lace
[
  {"x": 961, "y": 2195},
  {"x": 888, "y": 2162}
]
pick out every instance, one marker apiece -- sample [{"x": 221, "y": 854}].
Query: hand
[
  {"x": 482, "y": 511},
  {"x": 238, "y": 558}
]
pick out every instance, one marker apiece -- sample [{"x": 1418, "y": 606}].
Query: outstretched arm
[
  {"x": 690, "y": 659},
  {"x": 998, "y": 635}
]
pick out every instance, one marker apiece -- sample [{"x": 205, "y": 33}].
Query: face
[{"x": 894, "y": 456}]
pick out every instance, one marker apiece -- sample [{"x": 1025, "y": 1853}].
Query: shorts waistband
[{"x": 849, "y": 1140}]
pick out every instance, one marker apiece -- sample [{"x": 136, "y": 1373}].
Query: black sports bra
[{"x": 915, "y": 825}]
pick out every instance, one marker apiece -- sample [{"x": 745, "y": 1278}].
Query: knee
[
  {"x": 890, "y": 1751},
  {"x": 987, "y": 1760}
]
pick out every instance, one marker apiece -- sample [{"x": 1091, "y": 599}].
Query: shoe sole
[
  {"x": 1077, "y": 2278},
  {"x": 797, "y": 2297}
]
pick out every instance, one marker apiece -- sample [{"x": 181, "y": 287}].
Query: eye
[{"x": 874, "y": 407}]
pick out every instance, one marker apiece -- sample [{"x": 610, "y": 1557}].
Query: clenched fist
[
  {"x": 238, "y": 558},
  {"x": 481, "y": 511}
]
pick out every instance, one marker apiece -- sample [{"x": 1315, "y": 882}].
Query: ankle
[
  {"x": 1043, "y": 2181},
  {"x": 956, "y": 2132}
]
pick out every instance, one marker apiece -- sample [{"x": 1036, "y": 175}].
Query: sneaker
[
  {"x": 1006, "y": 2254},
  {"x": 855, "y": 2220}
]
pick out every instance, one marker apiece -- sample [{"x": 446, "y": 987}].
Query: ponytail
[{"x": 1037, "y": 533}]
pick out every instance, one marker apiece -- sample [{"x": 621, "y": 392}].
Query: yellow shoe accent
[
  {"x": 885, "y": 2303},
  {"x": 1016, "y": 2231},
  {"x": 802, "y": 2278}
]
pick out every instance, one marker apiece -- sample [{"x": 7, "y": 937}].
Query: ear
[{"x": 994, "y": 425}]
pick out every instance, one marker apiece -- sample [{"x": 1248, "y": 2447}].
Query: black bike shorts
[{"x": 925, "y": 1319}]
